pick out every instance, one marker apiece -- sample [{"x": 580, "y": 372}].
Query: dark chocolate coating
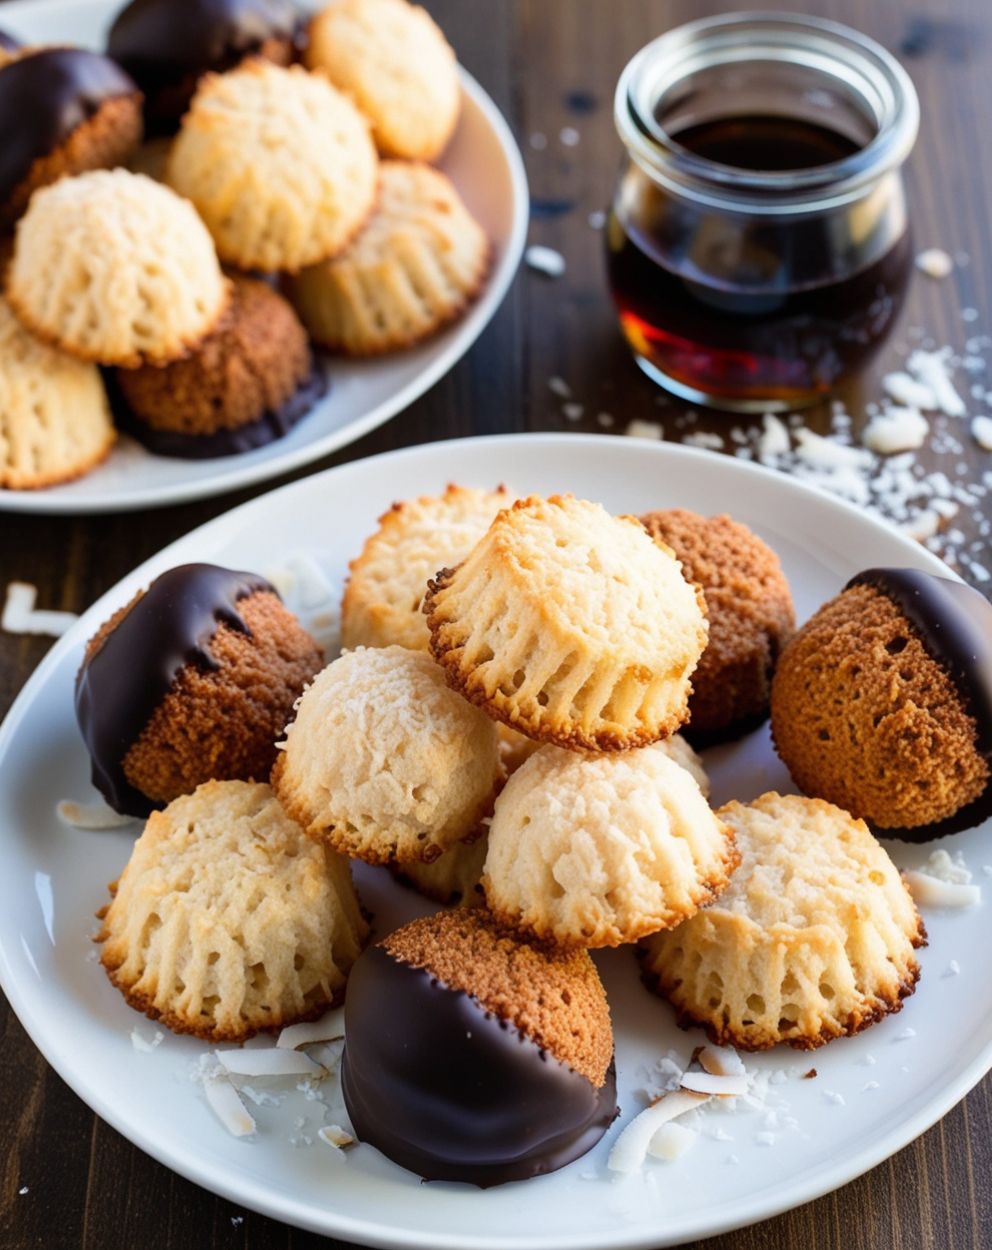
[
  {"x": 451, "y": 1092},
  {"x": 8, "y": 42},
  {"x": 954, "y": 623},
  {"x": 272, "y": 425},
  {"x": 119, "y": 688},
  {"x": 167, "y": 45},
  {"x": 44, "y": 97}
]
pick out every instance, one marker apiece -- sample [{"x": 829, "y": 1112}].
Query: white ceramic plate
[
  {"x": 482, "y": 161},
  {"x": 824, "y": 1131}
]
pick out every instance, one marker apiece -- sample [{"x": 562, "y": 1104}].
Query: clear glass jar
[{"x": 758, "y": 245}]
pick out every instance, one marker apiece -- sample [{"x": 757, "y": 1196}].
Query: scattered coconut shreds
[
  {"x": 545, "y": 260},
  {"x": 930, "y": 368},
  {"x": 953, "y": 969},
  {"x": 940, "y": 864},
  {"x": 329, "y": 1028},
  {"x": 644, "y": 429},
  {"x": 19, "y": 615},
  {"x": 934, "y": 262},
  {"x": 597, "y": 219},
  {"x": 90, "y": 815},
  {"x": 146, "y": 1044},
  {"x": 569, "y": 136},
  {"x": 558, "y": 386},
  {"x": 923, "y": 526},
  {"x": 721, "y": 1061},
  {"x": 671, "y": 1141},
  {"x": 896, "y": 429},
  {"x": 930, "y": 891},
  {"x": 981, "y": 432},
  {"x": 904, "y": 389},
  {"x": 269, "y": 1062},
  {"x": 334, "y": 1135},
  {"x": 824, "y": 453},
  {"x": 631, "y": 1147},
  {"x": 228, "y": 1107},
  {"x": 704, "y": 439},
  {"x": 572, "y": 412},
  {"x": 711, "y": 1083}
]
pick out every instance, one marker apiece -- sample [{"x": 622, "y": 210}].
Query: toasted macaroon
[
  {"x": 228, "y": 920},
  {"x": 813, "y": 938},
  {"x": 245, "y": 385},
  {"x": 472, "y": 1056},
  {"x": 193, "y": 680},
  {"x": 62, "y": 111},
  {"x": 114, "y": 268},
  {"x": 167, "y": 58},
  {"x": 55, "y": 422},
  {"x": 387, "y": 583},
  {"x": 882, "y": 703},
  {"x": 571, "y": 626},
  {"x": 750, "y": 614},
  {"x": 599, "y": 850},
  {"x": 417, "y": 265},
  {"x": 278, "y": 163},
  {"x": 394, "y": 61},
  {"x": 384, "y": 762}
]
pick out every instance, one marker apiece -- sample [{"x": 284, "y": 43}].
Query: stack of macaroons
[{"x": 256, "y": 162}]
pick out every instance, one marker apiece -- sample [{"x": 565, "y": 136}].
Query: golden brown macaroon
[
  {"x": 245, "y": 385},
  {"x": 193, "y": 680},
  {"x": 882, "y": 703},
  {"x": 456, "y": 1030},
  {"x": 750, "y": 614},
  {"x": 62, "y": 111}
]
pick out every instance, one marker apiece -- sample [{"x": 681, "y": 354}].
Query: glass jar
[{"x": 758, "y": 246}]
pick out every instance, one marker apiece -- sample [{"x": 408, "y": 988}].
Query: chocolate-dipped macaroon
[
  {"x": 62, "y": 111},
  {"x": 882, "y": 703},
  {"x": 192, "y": 681},
  {"x": 472, "y": 1056},
  {"x": 167, "y": 51},
  {"x": 245, "y": 385}
]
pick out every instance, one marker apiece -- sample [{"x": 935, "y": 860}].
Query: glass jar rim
[{"x": 821, "y": 45}]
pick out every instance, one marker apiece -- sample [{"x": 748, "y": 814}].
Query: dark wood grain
[{"x": 89, "y": 1188}]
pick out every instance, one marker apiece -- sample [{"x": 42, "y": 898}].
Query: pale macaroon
[
  {"x": 384, "y": 761},
  {"x": 228, "y": 920},
  {"x": 600, "y": 850},
  {"x": 813, "y": 939},
  {"x": 55, "y": 422},
  {"x": 279, "y": 164},
  {"x": 388, "y": 580},
  {"x": 113, "y": 268},
  {"x": 571, "y": 626},
  {"x": 395, "y": 62},
  {"x": 416, "y": 266}
]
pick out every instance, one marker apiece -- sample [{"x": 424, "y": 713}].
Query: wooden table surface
[{"x": 87, "y": 1186}]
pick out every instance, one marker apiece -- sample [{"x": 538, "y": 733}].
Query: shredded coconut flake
[
  {"x": 90, "y": 815},
  {"x": 906, "y": 390},
  {"x": 710, "y": 1083},
  {"x": 271, "y": 1062},
  {"x": 334, "y": 1135},
  {"x": 569, "y": 136},
  {"x": 558, "y": 386},
  {"x": 934, "y": 262},
  {"x": 896, "y": 429},
  {"x": 981, "y": 432},
  {"x": 931, "y": 368},
  {"x": 146, "y": 1044},
  {"x": 228, "y": 1107},
  {"x": 644, "y": 429},
  {"x": 721, "y": 1061},
  {"x": 20, "y": 617},
  {"x": 328, "y": 1028},
  {"x": 545, "y": 260},
  {"x": 930, "y": 891},
  {"x": 671, "y": 1141},
  {"x": 631, "y": 1147}
]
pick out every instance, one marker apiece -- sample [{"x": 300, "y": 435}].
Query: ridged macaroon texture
[
  {"x": 227, "y": 920},
  {"x": 279, "y": 164},
  {"x": 417, "y": 264},
  {"x": 571, "y": 626},
  {"x": 599, "y": 850},
  {"x": 814, "y": 938},
  {"x": 865, "y": 717},
  {"x": 395, "y": 62},
  {"x": 55, "y": 421},
  {"x": 384, "y": 761},
  {"x": 387, "y": 583}
]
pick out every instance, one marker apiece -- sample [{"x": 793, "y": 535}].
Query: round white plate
[
  {"x": 873, "y": 1093},
  {"x": 483, "y": 162}
]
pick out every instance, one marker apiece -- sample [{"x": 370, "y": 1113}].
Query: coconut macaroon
[
  {"x": 813, "y": 939},
  {"x": 62, "y": 111},
  {"x": 55, "y": 422},
  {"x": 228, "y": 920},
  {"x": 192, "y": 680},
  {"x": 571, "y": 626},
  {"x": 114, "y": 268},
  {"x": 384, "y": 762},
  {"x": 278, "y": 163},
  {"x": 599, "y": 850},
  {"x": 472, "y": 1056},
  {"x": 418, "y": 263},
  {"x": 750, "y": 615},
  {"x": 387, "y": 582},
  {"x": 394, "y": 61}
]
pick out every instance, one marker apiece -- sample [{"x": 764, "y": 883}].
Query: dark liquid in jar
[{"x": 778, "y": 310}]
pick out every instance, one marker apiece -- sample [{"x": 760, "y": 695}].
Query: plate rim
[{"x": 215, "y": 1177}]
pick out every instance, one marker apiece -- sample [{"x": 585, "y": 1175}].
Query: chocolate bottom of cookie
[
  {"x": 453, "y": 1093},
  {"x": 967, "y": 817},
  {"x": 272, "y": 425}
]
